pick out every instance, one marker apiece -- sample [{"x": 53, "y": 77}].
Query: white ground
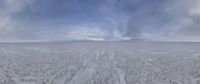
[{"x": 100, "y": 63}]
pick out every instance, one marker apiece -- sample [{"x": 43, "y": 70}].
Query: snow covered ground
[{"x": 100, "y": 63}]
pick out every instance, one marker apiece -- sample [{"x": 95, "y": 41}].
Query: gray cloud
[{"x": 165, "y": 19}]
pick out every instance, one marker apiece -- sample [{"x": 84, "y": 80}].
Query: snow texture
[{"x": 100, "y": 63}]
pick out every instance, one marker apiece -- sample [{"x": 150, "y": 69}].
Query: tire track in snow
[{"x": 121, "y": 74}]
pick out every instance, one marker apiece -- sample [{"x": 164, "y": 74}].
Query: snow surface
[{"x": 100, "y": 63}]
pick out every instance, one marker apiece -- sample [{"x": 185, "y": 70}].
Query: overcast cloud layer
[{"x": 51, "y": 20}]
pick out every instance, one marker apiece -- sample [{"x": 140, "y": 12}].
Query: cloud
[
  {"x": 8, "y": 8},
  {"x": 100, "y": 19},
  {"x": 185, "y": 21},
  {"x": 86, "y": 32},
  {"x": 164, "y": 19},
  {"x": 93, "y": 32}
]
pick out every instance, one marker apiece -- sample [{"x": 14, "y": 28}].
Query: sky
[{"x": 99, "y": 20}]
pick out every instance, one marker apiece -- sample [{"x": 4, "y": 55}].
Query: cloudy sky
[{"x": 63, "y": 20}]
